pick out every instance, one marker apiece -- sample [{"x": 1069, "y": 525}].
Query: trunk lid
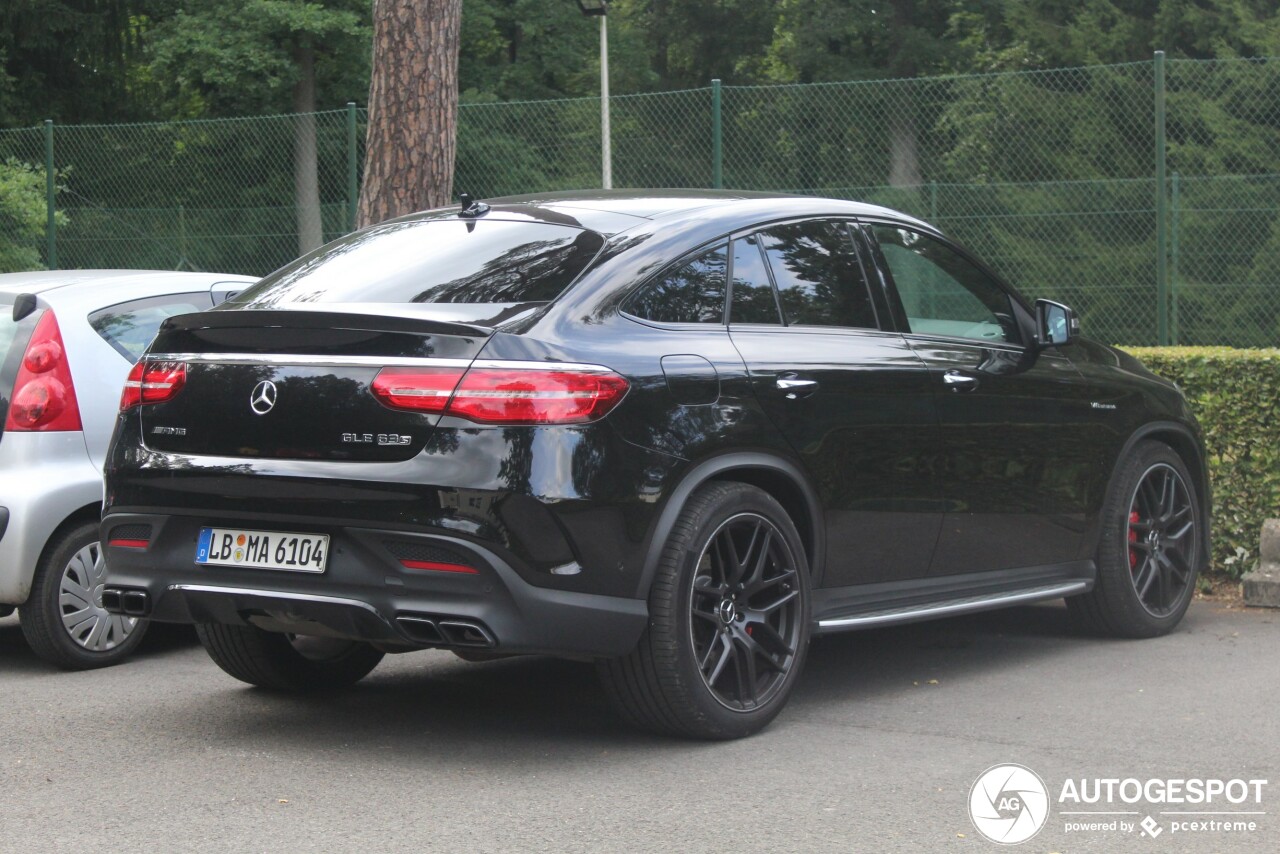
[{"x": 297, "y": 384}]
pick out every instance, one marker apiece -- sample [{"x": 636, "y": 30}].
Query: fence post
[
  {"x": 50, "y": 192},
  {"x": 1174, "y": 210},
  {"x": 1162, "y": 210},
  {"x": 353, "y": 188},
  {"x": 182, "y": 238},
  {"x": 717, "y": 142}
]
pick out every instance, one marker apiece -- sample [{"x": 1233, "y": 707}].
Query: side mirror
[{"x": 1056, "y": 325}]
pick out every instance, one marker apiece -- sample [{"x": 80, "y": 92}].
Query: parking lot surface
[{"x": 877, "y": 751}]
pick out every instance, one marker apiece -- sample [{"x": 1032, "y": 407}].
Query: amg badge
[{"x": 375, "y": 439}]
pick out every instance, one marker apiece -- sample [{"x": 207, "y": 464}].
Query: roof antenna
[{"x": 470, "y": 207}]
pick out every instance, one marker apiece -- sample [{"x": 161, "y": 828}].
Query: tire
[
  {"x": 281, "y": 662},
  {"x": 1150, "y": 549},
  {"x": 63, "y": 618},
  {"x": 728, "y": 621}
]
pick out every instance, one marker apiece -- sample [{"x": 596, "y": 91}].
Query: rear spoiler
[{"x": 329, "y": 319}]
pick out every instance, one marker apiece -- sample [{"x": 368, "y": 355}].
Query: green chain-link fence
[{"x": 1051, "y": 176}]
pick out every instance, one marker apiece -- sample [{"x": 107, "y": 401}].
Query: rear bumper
[
  {"x": 365, "y": 593},
  {"x": 44, "y": 479}
]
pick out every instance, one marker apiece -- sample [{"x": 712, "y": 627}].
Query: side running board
[{"x": 952, "y": 607}]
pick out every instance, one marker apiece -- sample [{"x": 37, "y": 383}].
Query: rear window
[
  {"x": 8, "y": 328},
  {"x": 434, "y": 261},
  {"x": 129, "y": 326}
]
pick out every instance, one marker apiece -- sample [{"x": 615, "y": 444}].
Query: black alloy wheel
[
  {"x": 745, "y": 612},
  {"x": 729, "y": 616},
  {"x": 1150, "y": 550},
  {"x": 1162, "y": 537}
]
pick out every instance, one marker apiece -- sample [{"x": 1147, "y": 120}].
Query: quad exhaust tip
[
  {"x": 131, "y": 603},
  {"x": 446, "y": 632}
]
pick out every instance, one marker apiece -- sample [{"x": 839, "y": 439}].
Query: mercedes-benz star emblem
[{"x": 263, "y": 397}]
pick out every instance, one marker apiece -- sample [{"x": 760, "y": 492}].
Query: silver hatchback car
[{"x": 67, "y": 342}]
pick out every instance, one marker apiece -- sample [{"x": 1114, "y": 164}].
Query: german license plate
[{"x": 262, "y": 549}]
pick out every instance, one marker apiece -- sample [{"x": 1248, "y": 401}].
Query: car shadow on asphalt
[
  {"x": 878, "y": 663},
  {"x": 508, "y": 704},
  {"x": 16, "y": 656}
]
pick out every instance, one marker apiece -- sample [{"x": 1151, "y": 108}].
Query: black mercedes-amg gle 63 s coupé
[{"x": 677, "y": 433}]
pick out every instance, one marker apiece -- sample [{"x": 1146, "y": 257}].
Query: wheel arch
[
  {"x": 28, "y": 550},
  {"x": 780, "y": 478},
  {"x": 88, "y": 513},
  {"x": 1184, "y": 443}
]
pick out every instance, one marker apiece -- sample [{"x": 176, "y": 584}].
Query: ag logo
[{"x": 1008, "y": 804}]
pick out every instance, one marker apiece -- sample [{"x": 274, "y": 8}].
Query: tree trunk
[
  {"x": 661, "y": 62},
  {"x": 904, "y": 143},
  {"x": 306, "y": 183},
  {"x": 413, "y": 108},
  {"x": 904, "y": 155}
]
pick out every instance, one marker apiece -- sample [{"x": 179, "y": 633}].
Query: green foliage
[
  {"x": 22, "y": 215},
  {"x": 517, "y": 50},
  {"x": 238, "y": 57},
  {"x": 1235, "y": 394},
  {"x": 75, "y": 60}
]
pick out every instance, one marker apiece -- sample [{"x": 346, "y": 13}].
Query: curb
[{"x": 1262, "y": 586}]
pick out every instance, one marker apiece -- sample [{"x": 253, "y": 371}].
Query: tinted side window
[
  {"x": 129, "y": 326},
  {"x": 691, "y": 293},
  {"x": 820, "y": 282},
  {"x": 753, "y": 300},
  {"x": 942, "y": 292}
]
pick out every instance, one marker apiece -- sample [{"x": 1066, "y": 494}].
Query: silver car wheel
[{"x": 86, "y": 622}]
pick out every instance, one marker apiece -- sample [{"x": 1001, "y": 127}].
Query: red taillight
[
  {"x": 152, "y": 382},
  {"x": 416, "y": 389},
  {"x": 44, "y": 397},
  {"x": 502, "y": 395}
]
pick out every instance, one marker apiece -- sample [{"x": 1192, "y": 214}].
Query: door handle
[
  {"x": 957, "y": 381},
  {"x": 795, "y": 386}
]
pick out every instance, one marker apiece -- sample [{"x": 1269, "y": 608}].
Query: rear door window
[
  {"x": 129, "y": 326},
  {"x": 753, "y": 298},
  {"x": 820, "y": 281}
]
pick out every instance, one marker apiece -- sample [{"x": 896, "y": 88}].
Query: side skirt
[{"x": 870, "y": 605}]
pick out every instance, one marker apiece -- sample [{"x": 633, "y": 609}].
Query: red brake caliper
[{"x": 1133, "y": 538}]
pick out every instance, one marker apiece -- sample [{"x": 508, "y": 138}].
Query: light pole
[{"x": 600, "y": 9}]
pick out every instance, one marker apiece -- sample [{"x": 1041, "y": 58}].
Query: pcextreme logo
[{"x": 1009, "y": 804}]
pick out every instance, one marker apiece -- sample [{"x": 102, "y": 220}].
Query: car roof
[
  {"x": 84, "y": 291},
  {"x": 44, "y": 281},
  {"x": 646, "y": 204},
  {"x": 612, "y": 211}
]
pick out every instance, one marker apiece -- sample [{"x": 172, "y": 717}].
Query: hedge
[{"x": 1236, "y": 396}]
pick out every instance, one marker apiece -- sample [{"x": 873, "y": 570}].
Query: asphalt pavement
[{"x": 878, "y": 750}]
